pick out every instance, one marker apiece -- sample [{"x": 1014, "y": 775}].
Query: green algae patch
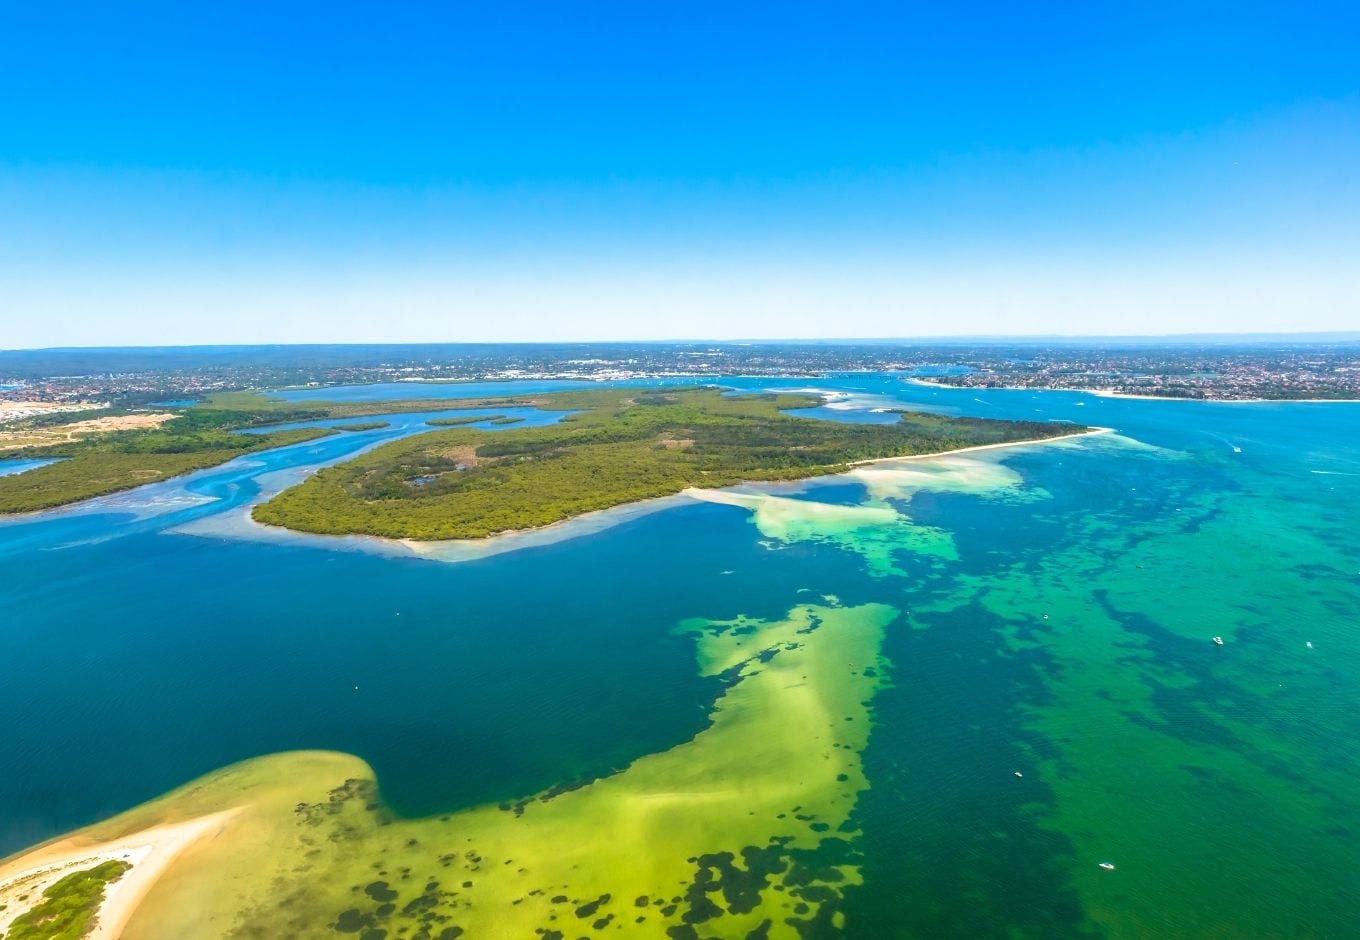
[
  {"x": 744, "y": 828},
  {"x": 1147, "y": 745}
]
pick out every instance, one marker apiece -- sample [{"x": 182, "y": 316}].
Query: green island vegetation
[
  {"x": 619, "y": 446},
  {"x": 277, "y": 410},
  {"x": 474, "y": 419},
  {"x": 362, "y": 426},
  {"x": 119, "y": 460},
  {"x": 461, "y": 420},
  {"x": 68, "y": 908}
]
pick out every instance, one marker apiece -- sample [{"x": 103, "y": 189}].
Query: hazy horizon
[{"x": 1343, "y": 338}]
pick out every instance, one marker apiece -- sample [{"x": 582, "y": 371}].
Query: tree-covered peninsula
[
  {"x": 618, "y": 446},
  {"x": 99, "y": 464},
  {"x": 89, "y": 464}
]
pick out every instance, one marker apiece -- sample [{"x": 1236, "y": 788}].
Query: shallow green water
[{"x": 1059, "y": 603}]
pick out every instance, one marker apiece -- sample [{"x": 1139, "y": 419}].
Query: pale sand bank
[
  {"x": 66, "y": 433},
  {"x": 150, "y": 852}
]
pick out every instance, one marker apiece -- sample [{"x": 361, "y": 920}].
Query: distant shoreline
[{"x": 1106, "y": 393}]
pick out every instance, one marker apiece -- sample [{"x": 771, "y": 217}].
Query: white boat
[
  {"x": 1218, "y": 641},
  {"x": 1108, "y": 866}
]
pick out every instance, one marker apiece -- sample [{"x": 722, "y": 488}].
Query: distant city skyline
[{"x": 534, "y": 172}]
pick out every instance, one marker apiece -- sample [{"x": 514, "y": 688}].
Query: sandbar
[{"x": 149, "y": 852}]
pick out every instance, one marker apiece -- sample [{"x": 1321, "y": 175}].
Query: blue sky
[{"x": 309, "y": 172}]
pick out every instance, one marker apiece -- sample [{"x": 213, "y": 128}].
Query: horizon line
[{"x": 1255, "y": 336}]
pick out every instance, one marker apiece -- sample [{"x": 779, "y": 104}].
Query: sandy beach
[
  {"x": 972, "y": 450},
  {"x": 150, "y": 852}
]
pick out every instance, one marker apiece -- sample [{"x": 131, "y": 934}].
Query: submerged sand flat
[
  {"x": 743, "y": 828},
  {"x": 881, "y": 527}
]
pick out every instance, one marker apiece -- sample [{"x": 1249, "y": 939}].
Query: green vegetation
[
  {"x": 200, "y": 437},
  {"x": 120, "y": 460},
  {"x": 69, "y": 906},
  {"x": 463, "y": 419},
  {"x": 278, "y": 410},
  {"x": 619, "y": 447},
  {"x": 474, "y": 419}
]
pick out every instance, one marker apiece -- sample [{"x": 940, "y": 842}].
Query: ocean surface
[{"x": 1055, "y": 699}]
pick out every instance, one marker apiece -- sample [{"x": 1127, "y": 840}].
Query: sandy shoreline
[
  {"x": 150, "y": 852},
  {"x": 980, "y": 447}
]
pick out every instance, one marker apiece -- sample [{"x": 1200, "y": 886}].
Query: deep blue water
[{"x": 134, "y": 657}]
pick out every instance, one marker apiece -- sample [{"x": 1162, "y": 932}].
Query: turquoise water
[{"x": 1065, "y": 634}]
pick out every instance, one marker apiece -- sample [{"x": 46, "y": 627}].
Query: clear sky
[{"x": 514, "y": 171}]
